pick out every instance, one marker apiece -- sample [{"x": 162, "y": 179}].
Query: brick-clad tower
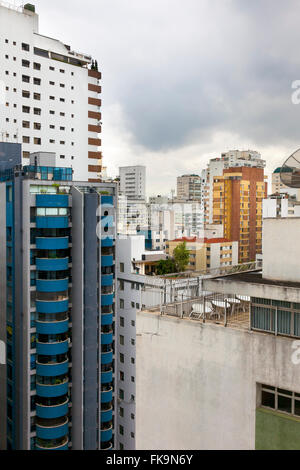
[{"x": 237, "y": 204}]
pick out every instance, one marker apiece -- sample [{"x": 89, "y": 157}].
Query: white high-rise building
[
  {"x": 133, "y": 181},
  {"x": 49, "y": 95}
]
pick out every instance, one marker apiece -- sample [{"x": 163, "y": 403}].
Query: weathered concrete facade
[{"x": 197, "y": 383}]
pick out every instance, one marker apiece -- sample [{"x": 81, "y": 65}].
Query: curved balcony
[
  {"x": 106, "y": 434},
  {"x": 106, "y": 446},
  {"x": 107, "y": 221},
  {"x": 48, "y": 328},
  {"x": 52, "y": 200},
  {"x": 106, "y": 415},
  {"x": 52, "y": 285},
  {"x": 107, "y": 338},
  {"x": 107, "y": 279},
  {"x": 52, "y": 243},
  {"x": 52, "y": 222},
  {"x": 52, "y": 264},
  {"x": 106, "y": 318},
  {"x": 106, "y": 377},
  {"x": 106, "y": 357},
  {"x": 107, "y": 242},
  {"x": 52, "y": 369},
  {"x": 48, "y": 446},
  {"x": 52, "y": 411},
  {"x": 56, "y": 306},
  {"x": 56, "y": 390},
  {"x": 107, "y": 299},
  {"x": 107, "y": 260},
  {"x": 53, "y": 432},
  {"x": 51, "y": 349},
  {"x": 106, "y": 395}
]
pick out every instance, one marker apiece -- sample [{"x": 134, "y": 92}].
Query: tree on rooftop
[
  {"x": 165, "y": 266},
  {"x": 181, "y": 257}
]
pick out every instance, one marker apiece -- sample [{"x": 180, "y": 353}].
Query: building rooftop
[{"x": 256, "y": 278}]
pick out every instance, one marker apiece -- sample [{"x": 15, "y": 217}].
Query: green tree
[
  {"x": 165, "y": 266},
  {"x": 181, "y": 257}
]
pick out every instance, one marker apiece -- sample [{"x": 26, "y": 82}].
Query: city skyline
[{"x": 195, "y": 101}]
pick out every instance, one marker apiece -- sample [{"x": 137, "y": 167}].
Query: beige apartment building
[{"x": 207, "y": 253}]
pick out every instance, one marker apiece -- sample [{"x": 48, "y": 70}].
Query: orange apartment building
[{"x": 237, "y": 205}]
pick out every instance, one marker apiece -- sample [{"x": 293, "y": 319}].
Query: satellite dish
[{"x": 290, "y": 171}]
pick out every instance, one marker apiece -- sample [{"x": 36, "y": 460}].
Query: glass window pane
[
  {"x": 284, "y": 404},
  {"x": 285, "y": 392},
  {"x": 40, "y": 211},
  {"x": 297, "y": 407},
  {"x": 268, "y": 399}
]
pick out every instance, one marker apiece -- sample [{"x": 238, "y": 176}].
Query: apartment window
[
  {"x": 25, "y": 94},
  {"x": 122, "y": 340},
  {"x": 122, "y": 358},
  {"x": 121, "y": 285},
  {"x": 52, "y": 83},
  {"x": 121, "y": 446},
  {"x": 36, "y": 66},
  {"x": 122, "y": 375},
  {"x": 132, "y": 323},
  {"x": 26, "y": 154},
  {"x": 36, "y": 81},
  {"x": 37, "y": 126},
  {"x": 6, "y": 57},
  {"x": 26, "y": 139},
  {"x": 52, "y": 141},
  {"x": 132, "y": 378},
  {"x": 121, "y": 303},
  {"x": 62, "y": 85},
  {"x": 121, "y": 394},
  {"x": 25, "y": 47},
  {"x": 62, "y": 71},
  {"x": 51, "y": 68},
  {"x": 37, "y": 96},
  {"x": 25, "y": 63},
  {"x": 137, "y": 306},
  {"x": 52, "y": 126},
  {"x": 37, "y": 111},
  {"x": 62, "y": 156},
  {"x": 37, "y": 141},
  {"x": 26, "y": 124},
  {"x": 132, "y": 397},
  {"x": 62, "y": 100},
  {"x": 62, "y": 114},
  {"x": 132, "y": 304},
  {"x": 121, "y": 321},
  {"x": 121, "y": 412},
  {"x": 137, "y": 287},
  {"x": 121, "y": 430},
  {"x": 132, "y": 341},
  {"x": 132, "y": 434},
  {"x": 132, "y": 416},
  {"x": 52, "y": 112},
  {"x": 25, "y": 78},
  {"x": 51, "y": 97},
  {"x": 121, "y": 267},
  {"x": 279, "y": 399},
  {"x": 62, "y": 128},
  {"x": 62, "y": 142},
  {"x": 25, "y": 109}
]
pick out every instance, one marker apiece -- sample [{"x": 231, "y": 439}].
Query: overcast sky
[{"x": 184, "y": 80}]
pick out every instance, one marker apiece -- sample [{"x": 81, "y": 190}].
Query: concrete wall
[
  {"x": 281, "y": 249},
  {"x": 196, "y": 383}
]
